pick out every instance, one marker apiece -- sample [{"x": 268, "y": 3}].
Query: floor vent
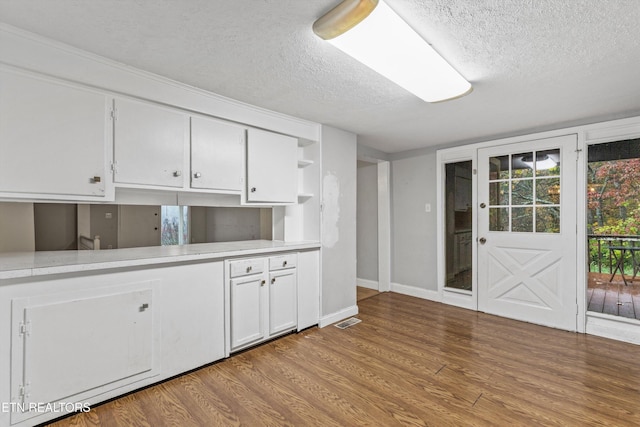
[{"x": 346, "y": 323}]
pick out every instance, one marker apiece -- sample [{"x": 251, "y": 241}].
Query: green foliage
[{"x": 613, "y": 209}]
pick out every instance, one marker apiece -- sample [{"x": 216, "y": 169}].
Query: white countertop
[{"x": 26, "y": 264}]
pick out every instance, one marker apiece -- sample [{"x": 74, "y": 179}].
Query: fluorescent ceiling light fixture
[{"x": 371, "y": 32}]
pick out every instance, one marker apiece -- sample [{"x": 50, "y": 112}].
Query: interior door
[{"x": 527, "y": 231}]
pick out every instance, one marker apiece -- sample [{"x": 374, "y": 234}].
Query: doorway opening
[{"x": 613, "y": 228}]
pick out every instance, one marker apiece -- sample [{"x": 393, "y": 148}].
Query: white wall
[
  {"x": 55, "y": 226},
  {"x": 139, "y": 226},
  {"x": 367, "y": 221},
  {"x": 339, "y": 157},
  {"x": 104, "y": 223},
  {"x": 414, "y": 255},
  {"x": 232, "y": 224},
  {"x": 16, "y": 227}
]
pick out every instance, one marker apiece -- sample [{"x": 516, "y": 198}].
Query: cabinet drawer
[
  {"x": 246, "y": 267},
  {"x": 280, "y": 262}
]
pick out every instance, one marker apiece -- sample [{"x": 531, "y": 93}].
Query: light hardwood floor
[
  {"x": 409, "y": 362},
  {"x": 364, "y": 293}
]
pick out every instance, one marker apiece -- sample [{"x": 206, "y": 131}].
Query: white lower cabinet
[
  {"x": 263, "y": 299},
  {"x": 81, "y": 340}
]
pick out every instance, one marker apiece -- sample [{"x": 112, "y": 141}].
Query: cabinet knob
[
  {"x": 197, "y": 175},
  {"x": 273, "y": 280},
  {"x": 177, "y": 173},
  {"x": 284, "y": 264},
  {"x": 249, "y": 269},
  {"x": 95, "y": 179},
  {"x": 144, "y": 306},
  {"x": 253, "y": 189},
  {"x": 263, "y": 282}
]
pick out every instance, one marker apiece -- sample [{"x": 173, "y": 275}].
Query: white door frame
[
  {"x": 604, "y": 325},
  {"x": 384, "y": 221},
  {"x": 452, "y": 296}
]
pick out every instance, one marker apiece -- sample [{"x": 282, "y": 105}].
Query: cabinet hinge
[
  {"x": 114, "y": 114},
  {"x": 114, "y": 167},
  {"x": 24, "y": 329},
  {"x": 24, "y": 391}
]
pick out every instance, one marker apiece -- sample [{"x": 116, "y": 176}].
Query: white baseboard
[
  {"x": 416, "y": 292},
  {"x": 337, "y": 316},
  {"x": 366, "y": 283},
  {"x": 613, "y": 327}
]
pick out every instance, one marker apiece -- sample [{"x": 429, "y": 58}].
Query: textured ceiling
[{"x": 534, "y": 64}]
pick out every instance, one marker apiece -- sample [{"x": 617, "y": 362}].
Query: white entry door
[{"x": 527, "y": 232}]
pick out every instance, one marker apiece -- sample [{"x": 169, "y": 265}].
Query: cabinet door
[
  {"x": 53, "y": 137},
  {"x": 282, "y": 301},
  {"x": 272, "y": 167},
  {"x": 217, "y": 155},
  {"x": 149, "y": 144},
  {"x": 75, "y": 345},
  {"x": 247, "y": 303}
]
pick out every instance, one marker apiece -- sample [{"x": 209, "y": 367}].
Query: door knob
[
  {"x": 482, "y": 205},
  {"x": 482, "y": 240}
]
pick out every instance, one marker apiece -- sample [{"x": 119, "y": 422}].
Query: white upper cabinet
[
  {"x": 150, "y": 144},
  {"x": 53, "y": 138},
  {"x": 217, "y": 155},
  {"x": 272, "y": 167}
]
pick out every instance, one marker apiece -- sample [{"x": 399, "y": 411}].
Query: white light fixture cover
[
  {"x": 542, "y": 163},
  {"x": 385, "y": 43}
]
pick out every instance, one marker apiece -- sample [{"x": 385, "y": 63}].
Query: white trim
[
  {"x": 444, "y": 157},
  {"x": 613, "y": 327},
  {"x": 416, "y": 292},
  {"x": 581, "y": 230},
  {"x": 32, "y": 52},
  {"x": 384, "y": 227},
  {"x": 459, "y": 298},
  {"x": 337, "y": 316},
  {"x": 366, "y": 283}
]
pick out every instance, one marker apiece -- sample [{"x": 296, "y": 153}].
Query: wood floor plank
[{"x": 410, "y": 362}]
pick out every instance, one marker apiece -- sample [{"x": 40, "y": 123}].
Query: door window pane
[
  {"x": 522, "y": 165},
  {"x": 499, "y": 219},
  {"x": 522, "y": 220},
  {"x": 499, "y": 167},
  {"x": 459, "y": 225},
  {"x": 524, "y": 192},
  {"x": 548, "y": 191},
  {"x": 548, "y": 219},
  {"x": 548, "y": 163},
  {"x": 499, "y": 193}
]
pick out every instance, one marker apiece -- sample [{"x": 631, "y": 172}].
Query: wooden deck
[
  {"x": 613, "y": 298},
  {"x": 410, "y": 362}
]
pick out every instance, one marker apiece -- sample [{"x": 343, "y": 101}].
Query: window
[
  {"x": 524, "y": 192},
  {"x": 175, "y": 225}
]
